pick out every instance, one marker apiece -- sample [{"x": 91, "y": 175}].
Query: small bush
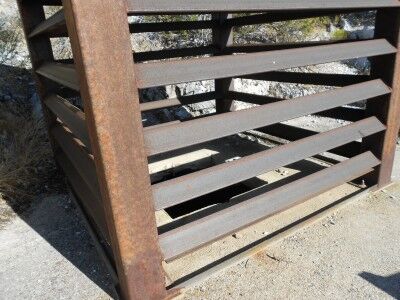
[
  {"x": 340, "y": 34},
  {"x": 26, "y": 162}
]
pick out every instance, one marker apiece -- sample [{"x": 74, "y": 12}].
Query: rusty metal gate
[{"x": 104, "y": 149}]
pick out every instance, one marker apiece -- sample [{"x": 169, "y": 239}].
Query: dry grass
[{"x": 26, "y": 162}]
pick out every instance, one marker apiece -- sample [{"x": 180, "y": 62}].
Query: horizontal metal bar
[
  {"x": 251, "y": 98},
  {"x": 172, "y": 72},
  {"x": 310, "y": 78},
  {"x": 71, "y": 116},
  {"x": 292, "y": 133},
  {"x": 243, "y": 211},
  {"x": 90, "y": 201},
  {"x": 197, "y": 131},
  {"x": 195, "y": 6},
  {"x": 179, "y": 190},
  {"x": 251, "y": 48},
  {"x": 184, "y": 100},
  {"x": 271, "y": 17},
  {"x": 61, "y": 73},
  {"x": 80, "y": 158},
  {"x": 342, "y": 113},
  {"x": 53, "y": 25},
  {"x": 352, "y": 114},
  {"x": 172, "y": 53},
  {"x": 51, "y": 2},
  {"x": 195, "y": 278},
  {"x": 164, "y": 73},
  {"x": 56, "y": 26},
  {"x": 172, "y": 26}
]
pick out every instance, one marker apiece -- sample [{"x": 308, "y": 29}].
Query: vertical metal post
[
  {"x": 387, "y": 108},
  {"x": 103, "y": 57},
  {"x": 40, "y": 50},
  {"x": 222, "y": 37}
]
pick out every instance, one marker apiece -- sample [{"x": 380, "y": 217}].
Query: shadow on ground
[
  {"x": 389, "y": 284},
  {"x": 58, "y": 221}
]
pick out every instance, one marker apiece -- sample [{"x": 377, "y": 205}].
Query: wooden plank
[
  {"x": 194, "y": 6},
  {"x": 63, "y": 74},
  {"x": 244, "y": 211},
  {"x": 54, "y": 25},
  {"x": 164, "y": 73},
  {"x": 71, "y": 116},
  {"x": 111, "y": 105},
  {"x": 184, "y": 188},
  {"x": 214, "y": 127}
]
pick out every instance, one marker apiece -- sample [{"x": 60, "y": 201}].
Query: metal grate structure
[{"x": 104, "y": 148}]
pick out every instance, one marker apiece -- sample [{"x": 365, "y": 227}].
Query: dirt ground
[{"x": 353, "y": 253}]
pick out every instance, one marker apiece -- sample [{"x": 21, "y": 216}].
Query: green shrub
[{"x": 340, "y": 34}]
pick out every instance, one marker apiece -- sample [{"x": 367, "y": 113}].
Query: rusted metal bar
[
  {"x": 113, "y": 118},
  {"x": 292, "y": 133},
  {"x": 184, "y": 100},
  {"x": 181, "y": 189},
  {"x": 233, "y": 259},
  {"x": 222, "y": 37},
  {"x": 210, "y": 128},
  {"x": 54, "y": 25},
  {"x": 251, "y": 48},
  {"x": 271, "y": 17},
  {"x": 32, "y": 14},
  {"x": 342, "y": 113},
  {"x": 352, "y": 114},
  {"x": 71, "y": 116},
  {"x": 64, "y": 74},
  {"x": 194, "y": 6},
  {"x": 173, "y": 53},
  {"x": 249, "y": 209},
  {"x": 164, "y": 73},
  {"x": 171, "y": 26},
  {"x": 78, "y": 155},
  {"x": 388, "y": 69},
  {"x": 310, "y": 78},
  {"x": 251, "y": 98}
]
